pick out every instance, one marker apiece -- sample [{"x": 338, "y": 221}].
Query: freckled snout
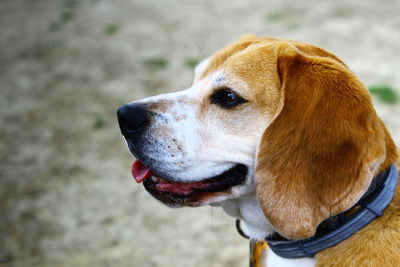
[{"x": 133, "y": 119}]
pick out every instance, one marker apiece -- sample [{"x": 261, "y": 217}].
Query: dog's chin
[{"x": 208, "y": 190}]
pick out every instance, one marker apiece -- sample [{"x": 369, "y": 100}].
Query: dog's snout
[{"x": 133, "y": 118}]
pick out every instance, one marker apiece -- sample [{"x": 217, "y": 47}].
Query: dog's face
[
  {"x": 201, "y": 142},
  {"x": 285, "y": 120}
]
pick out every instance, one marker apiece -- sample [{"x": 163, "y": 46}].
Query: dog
[{"x": 281, "y": 135}]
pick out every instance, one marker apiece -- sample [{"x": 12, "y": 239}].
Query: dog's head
[{"x": 282, "y": 119}]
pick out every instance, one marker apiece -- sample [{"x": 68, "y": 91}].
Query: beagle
[{"x": 281, "y": 135}]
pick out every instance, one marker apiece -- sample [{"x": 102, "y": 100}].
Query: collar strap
[{"x": 371, "y": 204}]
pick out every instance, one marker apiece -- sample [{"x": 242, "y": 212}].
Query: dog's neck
[
  {"x": 247, "y": 209},
  {"x": 255, "y": 225}
]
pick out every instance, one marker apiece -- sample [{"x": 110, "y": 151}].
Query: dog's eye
[{"x": 226, "y": 98}]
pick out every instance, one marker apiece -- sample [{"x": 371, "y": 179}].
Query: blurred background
[{"x": 66, "y": 193}]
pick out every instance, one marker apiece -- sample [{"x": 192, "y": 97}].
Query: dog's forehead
[
  {"x": 223, "y": 57},
  {"x": 247, "y": 60},
  {"x": 248, "y": 67}
]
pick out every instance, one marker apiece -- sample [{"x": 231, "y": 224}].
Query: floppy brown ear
[{"x": 319, "y": 155}]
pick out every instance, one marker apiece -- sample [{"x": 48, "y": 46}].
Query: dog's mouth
[{"x": 188, "y": 193}]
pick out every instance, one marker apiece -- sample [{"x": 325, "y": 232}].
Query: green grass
[
  {"x": 111, "y": 28},
  {"x": 384, "y": 93},
  {"x": 272, "y": 17},
  {"x": 99, "y": 123},
  {"x": 66, "y": 16},
  {"x": 70, "y": 3},
  {"x": 156, "y": 63},
  {"x": 191, "y": 62}
]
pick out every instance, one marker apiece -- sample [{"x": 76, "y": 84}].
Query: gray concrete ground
[{"x": 66, "y": 194}]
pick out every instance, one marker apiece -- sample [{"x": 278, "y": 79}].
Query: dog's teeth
[{"x": 154, "y": 179}]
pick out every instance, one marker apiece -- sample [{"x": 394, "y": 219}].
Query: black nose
[{"x": 133, "y": 118}]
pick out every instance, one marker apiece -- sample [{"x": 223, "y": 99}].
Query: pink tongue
[{"x": 140, "y": 172}]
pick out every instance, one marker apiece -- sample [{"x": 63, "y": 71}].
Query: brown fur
[{"x": 322, "y": 149}]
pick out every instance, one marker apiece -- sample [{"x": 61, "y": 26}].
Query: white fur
[
  {"x": 247, "y": 209},
  {"x": 200, "y": 68},
  {"x": 274, "y": 260}
]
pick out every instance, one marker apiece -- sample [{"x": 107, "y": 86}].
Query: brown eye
[
  {"x": 226, "y": 98},
  {"x": 229, "y": 97}
]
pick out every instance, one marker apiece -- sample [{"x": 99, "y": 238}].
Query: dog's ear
[{"x": 320, "y": 153}]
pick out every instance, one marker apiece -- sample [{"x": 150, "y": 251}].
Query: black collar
[{"x": 340, "y": 227}]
